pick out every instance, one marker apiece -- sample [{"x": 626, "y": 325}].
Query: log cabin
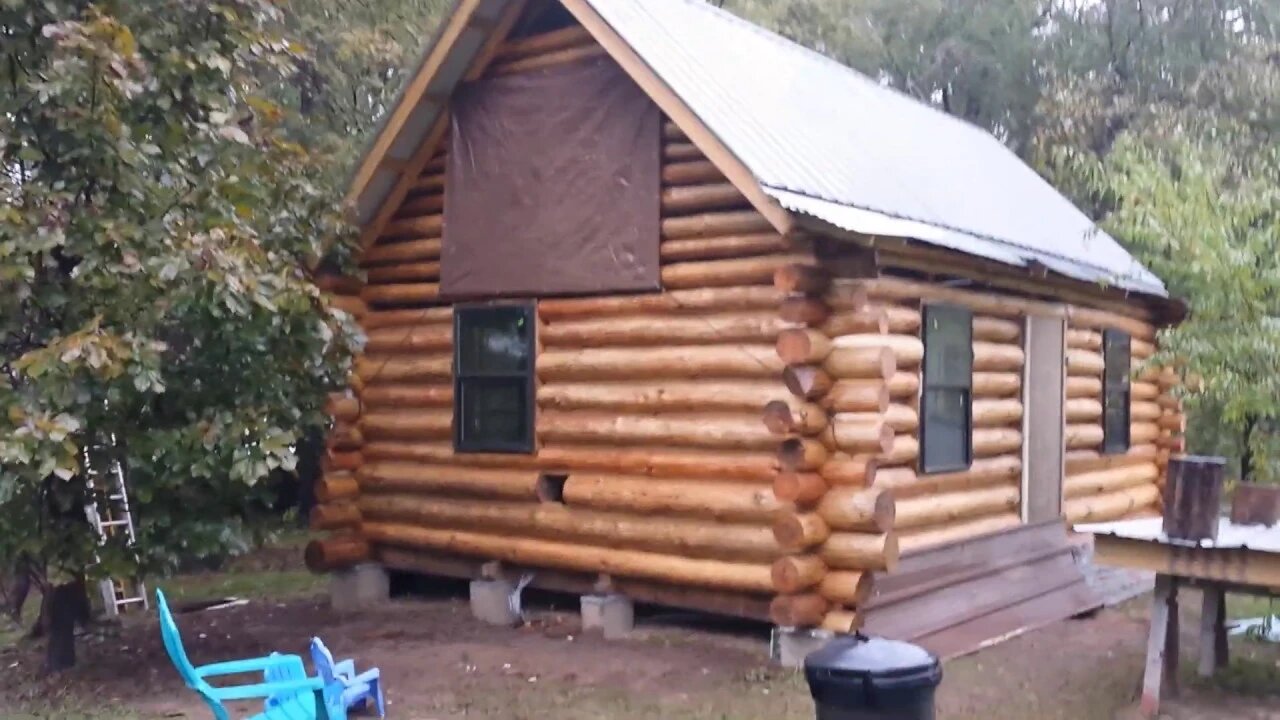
[{"x": 661, "y": 303}]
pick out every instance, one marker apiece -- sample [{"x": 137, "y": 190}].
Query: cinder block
[
  {"x": 359, "y": 587},
  {"x": 788, "y": 647},
  {"x": 491, "y": 602},
  {"x": 614, "y": 615}
]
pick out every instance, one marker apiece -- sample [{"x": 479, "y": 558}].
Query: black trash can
[{"x": 861, "y": 678}]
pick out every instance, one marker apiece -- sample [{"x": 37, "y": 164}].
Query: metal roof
[
  {"x": 830, "y": 143},
  {"x": 1231, "y": 536}
]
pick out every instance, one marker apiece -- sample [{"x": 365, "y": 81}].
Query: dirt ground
[{"x": 439, "y": 664}]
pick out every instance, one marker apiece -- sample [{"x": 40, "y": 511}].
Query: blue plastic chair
[
  {"x": 356, "y": 689},
  {"x": 295, "y": 699}
]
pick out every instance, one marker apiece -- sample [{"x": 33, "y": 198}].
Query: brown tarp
[{"x": 553, "y": 185}]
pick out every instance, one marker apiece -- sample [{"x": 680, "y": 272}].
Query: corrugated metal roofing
[{"x": 830, "y": 143}]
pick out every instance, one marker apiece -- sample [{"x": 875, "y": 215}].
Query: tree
[{"x": 156, "y": 223}]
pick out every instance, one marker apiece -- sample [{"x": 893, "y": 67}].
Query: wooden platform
[{"x": 960, "y": 598}]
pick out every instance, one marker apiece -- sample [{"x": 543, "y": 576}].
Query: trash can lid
[{"x": 870, "y": 657}]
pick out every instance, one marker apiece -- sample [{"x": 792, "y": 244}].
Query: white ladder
[{"x": 109, "y": 518}]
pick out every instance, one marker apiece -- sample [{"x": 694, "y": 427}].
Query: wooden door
[{"x": 1043, "y": 417}]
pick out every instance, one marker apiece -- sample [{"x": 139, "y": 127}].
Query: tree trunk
[{"x": 65, "y": 606}]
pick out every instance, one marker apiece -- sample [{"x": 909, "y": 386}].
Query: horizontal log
[
  {"x": 866, "y": 320},
  {"x": 870, "y": 362},
  {"x": 796, "y": 346},
  {"x": 1175, "y": 422},
  {"x": 573, "y": 556},
  {"x": 1084, "y": 362},
  {"x": 401, "y": 294},
  {"x": 345, "y": 436},
  {"x": 425, "y": 225},
  {"x": 783, "y": 418},
  {"x": 545, "y": 60},
  {"x": 798, "y": 531},
  {"x": 1104, "y": 481},
  {"x": 1141, "y": 433},
  {"x": 724, "y": 273},
  {"x": 804, "y": 310},
  {"x": 906, "y": 385},
  {"x": 336, "y": 486},
  {"x": 409, "y": 396},
  {"x": 856, "y": 435},
  {"x": 353, "y": 306},
  {"x": 1085, "y": 461},
  {"x": 913, "y": 541},
  {"x": 851, "y": 470},
  {"x": 858, "y": 509},
  {"x": 335, "y": 553},
  {"x": 846, "y": 587},
  {"x": 760, "y": 466},
  {"x": 415, "y": 316},
  {"x": 904, "y": 451},
  {"x": 841, "y": 621},
  {"x": 801, "y": 454},
  {"x": 860, "y": 551},
  {"x": 802, "y": 277},
  {"x": 802, "y": 488},
  {"x": 760, "y": 326},
  {"x": 984, "y": 472},
  {"x": 899, "y": 417},
  {"x": 423, "y": 250},
  {"x": 702, "y": 300},
  {"x": 1168, "y": 403},
  {"x": 688, "y": 199},
  {"x": 727, "y": 501},
  {"x": 807, "y": 610},
  {"x": 695, "y": 538},
  {"x": 414, "y": 424},
  {"x": 1144, "y": 411},
  {"x": 1081, "y": 339},
  {"x": 423, "y": 203},
  {"x": 1141, "y": 349},
  {"x": 842, "y": 295},
  {"x": 405, "y": 272},
  {"x": 342, "y": 406},
  {"x": 408, "y": 339},
  {"x": 1002, "y": 306},
  {"x": 334, "y": 516},
  {"x": 690, "y": 172},
  {"x": 989, "y": 442},
  {"x": 1083, "y": 410},
  {"x": 1081, "y": 436},
  {"x": 373, "y": 369},
  {"x": 902, "y": 320},
  {"x": 543, "y": 43},
  {"x": 725, "y": 361},
  {"x": 715, "y": 224},
  {"x": 713, "y": 248},
  {"x": 996, "y": 357},
  {"x": 664, "y": 396},
  {"x": 341, "y": 460},
  {"x": 409, "y": 477},
  {"x": 959, "y": 505},
  {"x": 679, "y": 151},
  {"x": 995, "y": 413},
  {"x": 856, "y": 396},
  {"x": 1102, "y": 320},
  {"x": 339, "y": 284},
  {"x": 1111, "y": 506},
  {"x": 907, "y": 350},
  {"x": 707, "y": 430},
  {"x": 1084, "y": 387},
  {"x": 795, "y": 573},
  {"x": 996, "y": 330}
]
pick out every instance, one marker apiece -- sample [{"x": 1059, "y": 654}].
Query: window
[
  {"x": 1115, "y": 391},
  {"x": 493, "y": 378},
  {"x": 946, "y": 400}
]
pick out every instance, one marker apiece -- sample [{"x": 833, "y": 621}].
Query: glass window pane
[
  {"x": 946, "y": 430},
  {"x": 493, "y": 340},
  {"x": 1115, "y": 421},
  {"x": 948, "y": 346},
  {"x": 493, "y": 413},
  {"x": 1115, "y": 354}
]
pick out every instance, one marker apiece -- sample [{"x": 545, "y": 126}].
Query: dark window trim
[
  {"x": 926, "y": 385},
  {"x": 1111, "y": 443},
  {"x": 529, "y": 310}
]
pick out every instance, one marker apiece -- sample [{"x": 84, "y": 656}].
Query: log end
[
  {"x": 335, "y": 553},
  {"x": 806, "y": 610},
  {"x": 802, "y": 345},
  {"x": 798, "y": 278},
  {"x": 796, "y": 531},
  {"x": 801, "y": 454},
  {"x": 797, "y": 572},
  {"x": 799, "y": 488},
  {"x": 841, "y": 621},
  {"x": 803, "y": 311},
  {"x": 806, "y": 381}
]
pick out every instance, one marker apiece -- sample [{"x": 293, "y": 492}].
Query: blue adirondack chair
[
  {"x": 357, "y": 689},
  {"x": 295, "y": 699}
]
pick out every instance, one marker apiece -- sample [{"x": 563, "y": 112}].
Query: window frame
[
  {"x": 463, "y": 376},
  {"x": 926, "y": 385},
  {"x": 1112, "y": 445}
]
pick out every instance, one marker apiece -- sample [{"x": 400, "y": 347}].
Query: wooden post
[
  {"x": 1193, "y": 497},
  {"x": 1213, "y": 630},
  {"x": 1162, "y": 648}
]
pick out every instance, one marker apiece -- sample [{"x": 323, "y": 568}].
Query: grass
[{"x": 276, "y": 585}]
